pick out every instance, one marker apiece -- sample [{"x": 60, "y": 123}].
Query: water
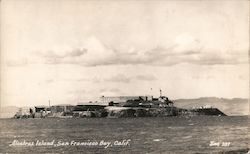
[{"x": 143, "y": 135}]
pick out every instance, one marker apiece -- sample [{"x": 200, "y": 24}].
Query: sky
[{"x": 75, "y": 51}]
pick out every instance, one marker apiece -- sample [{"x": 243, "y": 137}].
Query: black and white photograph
[{"x": 124, "y": 76}]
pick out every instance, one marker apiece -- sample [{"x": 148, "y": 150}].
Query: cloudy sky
[{"x": 73, "y": 51}]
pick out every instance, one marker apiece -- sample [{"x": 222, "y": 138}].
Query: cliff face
[
  {"x": 143, "y": 112},
  {"x": 209, "y": 111},
  {"x": 163, "y": 112}
]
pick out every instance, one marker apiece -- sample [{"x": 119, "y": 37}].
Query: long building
[{"x": 118, "y": 99}]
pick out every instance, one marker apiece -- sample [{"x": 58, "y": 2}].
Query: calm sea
[{"x": 202, "y": 134}]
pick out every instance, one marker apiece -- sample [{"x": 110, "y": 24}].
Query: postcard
[{"x": 124, "y": 76}]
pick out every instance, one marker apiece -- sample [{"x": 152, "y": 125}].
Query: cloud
[
  {"x": 93, "y": 52},
  {"x": 145, "y": 77},
  {"x": 186, "y": 49},
  {"x": 118, "y": 78},
  {"x": 126, "y": 79},
  {"x": 62, "y": 56}
]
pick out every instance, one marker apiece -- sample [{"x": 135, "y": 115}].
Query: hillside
[
  {"x": 235, "y": 106},
  {"x": 8, "y": 111}
]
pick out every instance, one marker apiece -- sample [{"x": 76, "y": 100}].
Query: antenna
[
  {"x": 103, "y": 99},
  {"x": 49, "y": 103},
  {"x": 160, "y": 93}
]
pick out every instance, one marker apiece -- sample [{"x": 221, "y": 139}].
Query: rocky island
[{"x": 117, "y": 107}]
